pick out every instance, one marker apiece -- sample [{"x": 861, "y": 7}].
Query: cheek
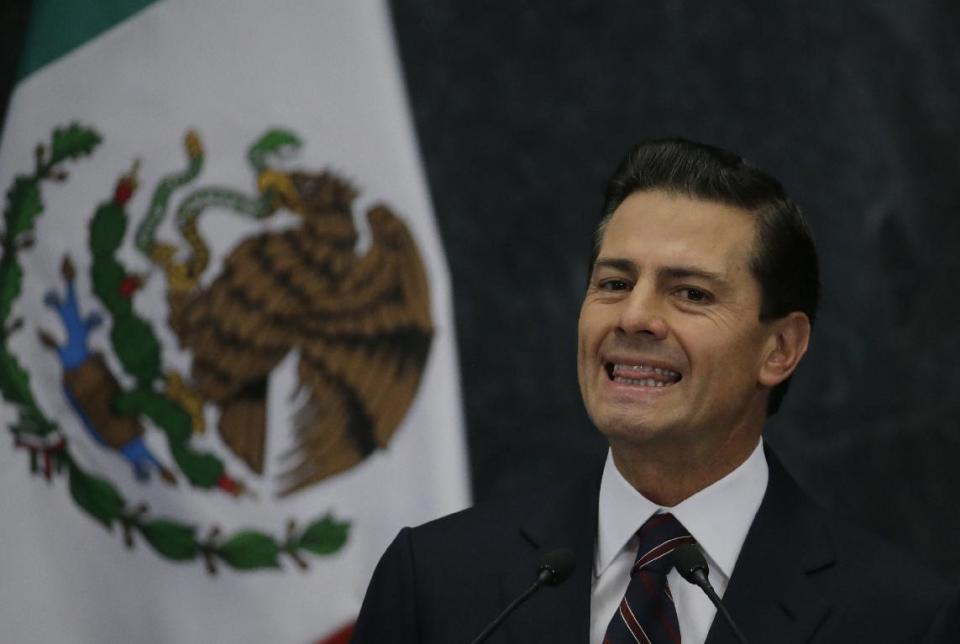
[
  {"x": 714, "y": 360},
  {"x": 589, "y": 338},
  {"x": 581, "y": 345},
  {"x": 585, "y": 330},
  {"x": 735, "y": 364},
  {"x": 585, "y": 358}
]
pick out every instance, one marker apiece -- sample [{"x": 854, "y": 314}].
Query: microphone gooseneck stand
[
  {"x": 554, "y": 568},
  {"x": 692, "y": 566}
]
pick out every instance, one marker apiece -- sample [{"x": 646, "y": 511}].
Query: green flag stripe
[{"x": 57, "y": 27}]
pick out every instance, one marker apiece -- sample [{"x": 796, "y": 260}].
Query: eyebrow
[{"x": 665, "y": 272}]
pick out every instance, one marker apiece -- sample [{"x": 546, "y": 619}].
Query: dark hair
[{"x": 784, "y": 259}]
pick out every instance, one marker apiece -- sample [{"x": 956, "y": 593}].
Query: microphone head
[
  {"x": 688, "y": 559},
  {"x": 555, "y": 566}
]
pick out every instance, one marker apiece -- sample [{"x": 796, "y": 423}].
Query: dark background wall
[
  {"x": 13, "y": 22},
  {"x": 522, "y": 110}
]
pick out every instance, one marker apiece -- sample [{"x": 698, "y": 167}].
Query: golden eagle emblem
[{"x": 360, "y": 323}]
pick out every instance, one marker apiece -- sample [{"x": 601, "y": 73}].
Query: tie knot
[{"x": 659, "y": 537}]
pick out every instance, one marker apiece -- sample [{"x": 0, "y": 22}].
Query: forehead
[{"x": 665, "y": 227}]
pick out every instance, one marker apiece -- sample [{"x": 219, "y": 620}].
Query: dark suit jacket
[{"x": 802, "y": 576}]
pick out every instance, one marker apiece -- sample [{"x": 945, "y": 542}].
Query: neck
[{"x": 669, "y": 474}]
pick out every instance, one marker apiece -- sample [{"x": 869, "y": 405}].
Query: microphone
[
  {"x": 553, "y": 569},
  {"x": 692, "y": 566}
]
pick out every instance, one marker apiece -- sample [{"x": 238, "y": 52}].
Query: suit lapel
[
  {"x": 771, "y": 593},
  {"x": 560, "y": 613}
]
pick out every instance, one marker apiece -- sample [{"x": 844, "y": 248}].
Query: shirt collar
[{"x": 718, "y": 516}]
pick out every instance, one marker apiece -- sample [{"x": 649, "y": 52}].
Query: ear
[{"x": 786, "y": 344}]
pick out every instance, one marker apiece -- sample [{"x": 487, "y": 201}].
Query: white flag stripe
[{"x": 230, "y": 70}]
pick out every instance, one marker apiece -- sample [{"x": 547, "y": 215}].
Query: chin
[{"x": 632, "y": 430}]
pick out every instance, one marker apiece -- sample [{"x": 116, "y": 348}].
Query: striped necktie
[{"x": 646, "y": 614}]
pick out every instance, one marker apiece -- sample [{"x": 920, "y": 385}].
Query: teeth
[
  {"x": 640, "y": 382},
  {"x": 640, "y": 367}
]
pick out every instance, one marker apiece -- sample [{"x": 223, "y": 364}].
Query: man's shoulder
[
  {"x": 874, "y": 578},
  {"x": 450, "y": 575},
  {"x": 882, "y": 569},
  {"x": 856, "y": 550},
  {"x": 863, "y": 577},
  {"x": 870, "y": 554},
  {"x": 804, "y": 568},
  {"x": 505, "y": 513},
  {"x": 859, "y": 553}
]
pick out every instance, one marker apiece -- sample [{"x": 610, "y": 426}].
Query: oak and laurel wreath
[{"x": 48, "y": 447}]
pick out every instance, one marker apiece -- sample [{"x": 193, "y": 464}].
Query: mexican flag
[{"x": 227, "y": 352}]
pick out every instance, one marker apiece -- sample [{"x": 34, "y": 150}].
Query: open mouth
[{"x": 641, "y": 375}]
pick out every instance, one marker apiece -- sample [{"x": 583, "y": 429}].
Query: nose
[{"x": 643, "y": 312}]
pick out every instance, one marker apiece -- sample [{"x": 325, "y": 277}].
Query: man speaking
[{"x": 699, "y": 307}]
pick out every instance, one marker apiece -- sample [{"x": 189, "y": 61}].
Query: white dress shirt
[{"x": 718, "y": 517}]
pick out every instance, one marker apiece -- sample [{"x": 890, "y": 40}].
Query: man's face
[{"x": 670, "y": 342}]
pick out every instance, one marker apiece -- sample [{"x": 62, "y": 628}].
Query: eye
[
  {"x": 614, "y": 285},
  {"x": 695, "y": 295}
]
